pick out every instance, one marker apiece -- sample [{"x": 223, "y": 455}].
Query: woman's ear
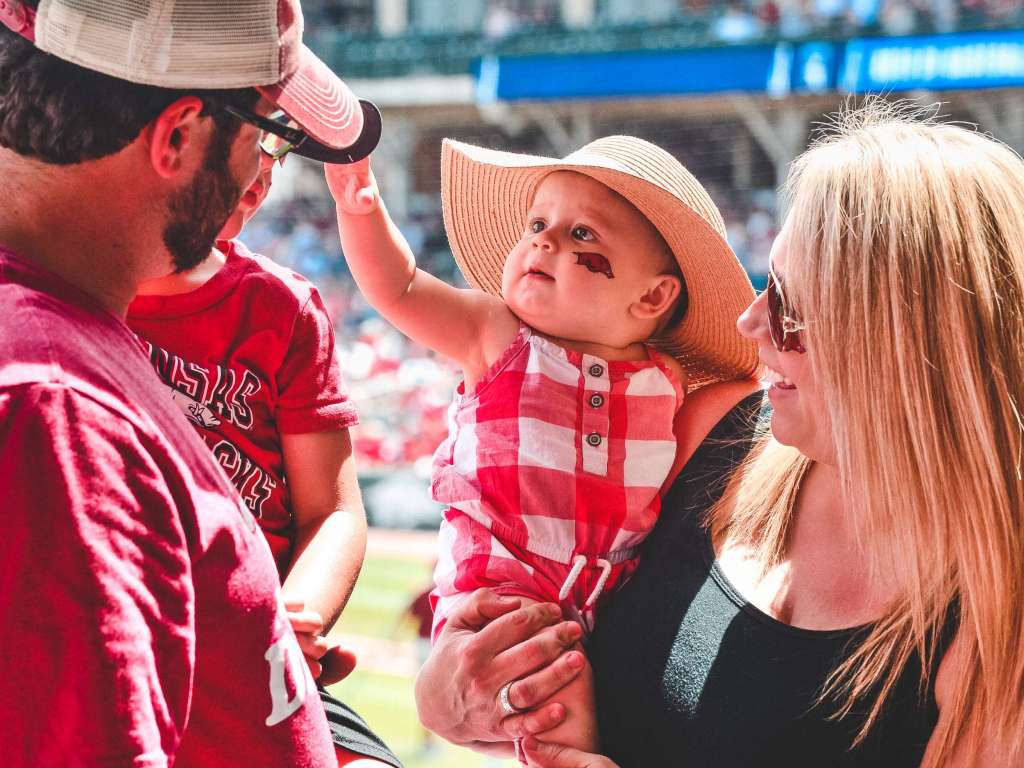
[
  {"x": 173, "y": 133},
  {"x": 658, "y": 298}
]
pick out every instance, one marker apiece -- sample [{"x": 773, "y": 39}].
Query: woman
[{"x": 854, "y": 596}]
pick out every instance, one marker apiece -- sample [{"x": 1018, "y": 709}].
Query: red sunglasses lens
[
  {"x": 783, "y": 341},
  {"x": 774, "y": 312}
]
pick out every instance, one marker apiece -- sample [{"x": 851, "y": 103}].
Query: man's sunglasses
[
  {"x": 783, "y": 327},
  {"x": 282, "y": 136}
]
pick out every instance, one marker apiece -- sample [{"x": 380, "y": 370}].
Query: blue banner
[
  {"x": 623, "y": 75},
  {"x": 938, "y": 62}
]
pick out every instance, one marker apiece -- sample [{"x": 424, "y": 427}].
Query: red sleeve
[
  {"x": 96, "y": 650},
  {"x": 311, "y": 391}
]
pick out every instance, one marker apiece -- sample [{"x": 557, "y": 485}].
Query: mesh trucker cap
[{"x": 206, "y": 44}]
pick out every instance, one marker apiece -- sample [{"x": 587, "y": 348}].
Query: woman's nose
[{"x": 753, "y": 322}]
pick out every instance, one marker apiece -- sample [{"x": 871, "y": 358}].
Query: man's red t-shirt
[
  {"x": 249, "y": 356},
  {"x": 140, "y": 619}
]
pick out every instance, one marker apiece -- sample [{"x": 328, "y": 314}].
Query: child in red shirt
[{"x": 246, "y": 349}]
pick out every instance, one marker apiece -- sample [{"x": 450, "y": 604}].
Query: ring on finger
[{"x": 506, "y": 705}]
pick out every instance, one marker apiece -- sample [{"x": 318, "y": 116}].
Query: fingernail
[
  {"x": 554, "y": 612},
  {"x": 574, "y": 660}
]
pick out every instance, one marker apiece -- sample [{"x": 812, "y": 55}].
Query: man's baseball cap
[{"x": 206, "y": 45}]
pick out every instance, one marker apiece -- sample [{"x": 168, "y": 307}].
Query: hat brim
[
  {"x": 364, "y": 145},
  {"x": 486, "y": 195},
  {"x": 318, "y": 100}
]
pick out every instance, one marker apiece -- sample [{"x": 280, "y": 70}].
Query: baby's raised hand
[{"x": 353, "y": 186}]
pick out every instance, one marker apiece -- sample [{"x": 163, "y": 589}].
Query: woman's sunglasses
[
  {"x": 281, "y": 135},
  {"x": 784, "y": 329}
]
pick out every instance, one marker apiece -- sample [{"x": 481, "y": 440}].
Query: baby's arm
[{"x": 459, "y": 324}]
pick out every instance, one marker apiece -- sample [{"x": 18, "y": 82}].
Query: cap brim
[
  {"x": 363, "y": 146},
  {"x": 318, "y": 100}
]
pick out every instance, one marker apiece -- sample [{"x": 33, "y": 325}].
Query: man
[{"x": 141, "y": 619}]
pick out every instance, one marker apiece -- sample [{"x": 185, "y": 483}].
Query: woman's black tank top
[{"x": 688, "y": 673}]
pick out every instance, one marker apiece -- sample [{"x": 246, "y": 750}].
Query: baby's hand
[
  {"x": 353, "y": 187},
  {"x": 308, "y": 627}
]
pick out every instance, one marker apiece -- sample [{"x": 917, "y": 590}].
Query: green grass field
[{"x": 381, "y": 687}]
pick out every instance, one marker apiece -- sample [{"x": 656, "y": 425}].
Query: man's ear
[
  {"x": 658, "y": 298},
  {"x": 172, "y": 133}
]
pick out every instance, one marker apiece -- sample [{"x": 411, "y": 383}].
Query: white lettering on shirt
[{"x": 287, "y": 664}]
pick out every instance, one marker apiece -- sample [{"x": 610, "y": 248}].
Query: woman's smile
[{"x": 776, "y": 379}]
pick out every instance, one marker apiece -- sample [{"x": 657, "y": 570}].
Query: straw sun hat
[{"x": 486, "y": 195}]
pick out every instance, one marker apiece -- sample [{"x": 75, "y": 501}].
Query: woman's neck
[
  {"x": 824, "y": 532},
  {"x": 819, "y": 504}
]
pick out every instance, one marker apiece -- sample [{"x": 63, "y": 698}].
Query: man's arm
[{"x": 96, "y": 601}]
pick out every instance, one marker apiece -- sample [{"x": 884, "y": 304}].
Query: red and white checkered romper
[{"x": 556, "y": 460}]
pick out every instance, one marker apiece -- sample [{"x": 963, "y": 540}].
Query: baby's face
[{"x": 585, "y": 256}]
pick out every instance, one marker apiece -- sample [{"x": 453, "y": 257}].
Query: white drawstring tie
[{"x": 579, "y": 562}]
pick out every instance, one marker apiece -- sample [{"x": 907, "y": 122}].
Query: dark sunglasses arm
[{"x": 291, "y": 135}]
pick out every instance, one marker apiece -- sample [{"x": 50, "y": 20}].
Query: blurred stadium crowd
[{"x": 724, "y": 20}]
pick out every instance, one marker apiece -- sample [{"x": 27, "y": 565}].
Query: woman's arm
[
  {"x": 488, "y": 641},
  {"x": 984, "y": 752}
]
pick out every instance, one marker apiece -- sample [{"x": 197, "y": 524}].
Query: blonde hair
[{"x": 906, "y": 262}]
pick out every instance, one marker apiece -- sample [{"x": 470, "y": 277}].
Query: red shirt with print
[
  {"x": 249, "y": 356},
  {"x": 141, "y": 618}
]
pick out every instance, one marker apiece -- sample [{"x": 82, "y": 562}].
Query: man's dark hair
[{"x": 61, "y": 113}]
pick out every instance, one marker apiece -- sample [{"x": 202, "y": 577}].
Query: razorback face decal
[{"x": 595, "y": 262}]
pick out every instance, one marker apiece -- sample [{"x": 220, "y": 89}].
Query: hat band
[{"x": 19, "y": 18}]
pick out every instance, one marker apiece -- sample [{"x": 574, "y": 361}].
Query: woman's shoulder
[
  {"x": 716, "y": 415},
  {"x": 719, "y": 450}
]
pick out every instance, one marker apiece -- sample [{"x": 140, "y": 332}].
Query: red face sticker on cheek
[{"x": 595, "y": 262}]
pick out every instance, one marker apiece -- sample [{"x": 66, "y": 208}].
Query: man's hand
[
  {"x": 353, "y": 187},
  {"x": 488, "y": 641},
  {"x": 543, "y": 755}
]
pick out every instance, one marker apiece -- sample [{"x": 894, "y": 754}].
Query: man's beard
[{"x": 197, "y": 213}]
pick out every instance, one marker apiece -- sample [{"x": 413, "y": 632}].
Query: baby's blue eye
[
  {"x": 536, "y": 226},
  {"x": 582, "y": 233}
]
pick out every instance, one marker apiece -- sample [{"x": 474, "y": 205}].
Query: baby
[{"x": 605, "y": 290}]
